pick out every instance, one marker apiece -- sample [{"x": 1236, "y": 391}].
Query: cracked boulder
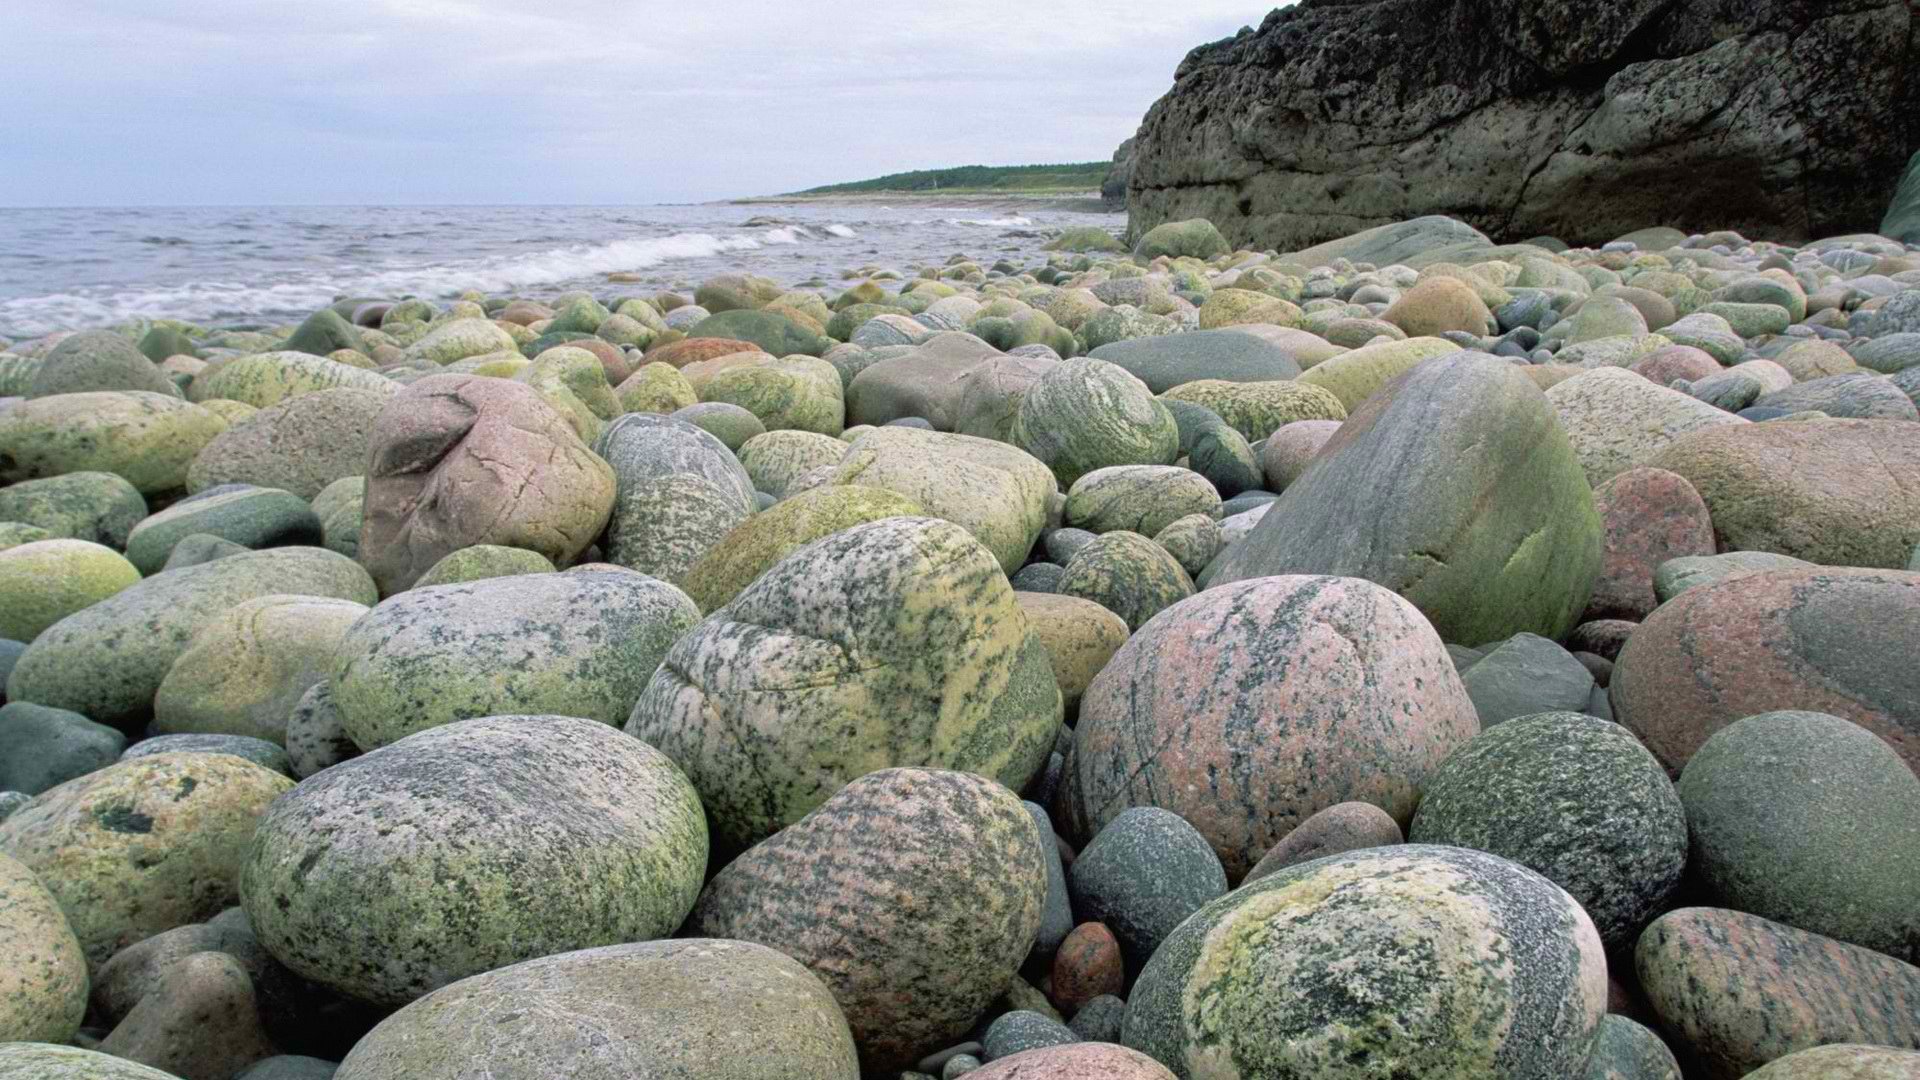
[
  {"x": 1524, "y": 117},
  {"x": 460, "y": 460}
]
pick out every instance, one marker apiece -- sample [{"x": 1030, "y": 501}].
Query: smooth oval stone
[
  {"x": 265, "y": 754},
  {"x": 1020, "y": 1030},
  {"x": 1628, "y": 1051},
  {"x": 95, "y": 506},
  {"x": 470, "y": 847},
  {"x": 896, "y": 642},
  {"x": 1074, "y": 1061},
  {"x": 1775, "y": 836},
  {"x": 483, "y": 561},
  {"x": 1524, "y": 675},
  {"x": 1830, "y": 640},
  {"x": 42, "y": 748},
  {"x": 1342, "y": 827},
  {"x": 266, "y": 379},
  {"x": 992, "y": 490},
  {"x": 249, "y": 516},
  {"x": 913, "y": 894},
  {"x": 249, "y": 666},
  {"x": 1215, "y": 449},
  {"x": 1736, "y": 991},
  {"x": 107, "y": 662},
  {"x": 1590, "y": 407},
  {"x": 1455, "y": 488},
  {"x": 1675, "y": 576},
  {"x": 665, "y": 526},
  {"x": 143, "y": 845},
  {"x": 1649, "y": 517},
  {"x": 1445, "y": 961},
  {"x": 43, "y": 985},
  {"x": 1288, "y": 451},
  {"x": 1144, "y": 873},
  {"x": 45, "y": 581},
  {"x": 45, "y": 1061},
  {"x": 1088, "y": 414},
  {"x": 1127, "y": 574},
  {"x": 202, "y": 1018},
  {"x": 1251, "y": 707},
  {"x": 1842, "y": 1061},
  {"x": 780, "y": 462},
  {"x": 96, "y": 360},
  {"x": 583, "y": 643},
  {"x": 754, "y": 546},
  {"x": 1257, "y": 410},
  {"x": 1079, "y": 635},
  {"x": 1165, "y": 362},
  {"x": 731, "y": 1010},
  {"x": 1577, "y": 800},
  {"x": 729, "y": 423},
  {"x": 1353, "y": 377},
  {"x": 1088, "y": 965},
  {"x": 145, "y": 438},
  {"x": 300, "y": 445},
  {"x": 1137, "y": 498},
  {"x": 1862, "y": 395}
]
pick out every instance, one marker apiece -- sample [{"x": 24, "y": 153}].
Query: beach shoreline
[{"x": 1086, "y": 202}]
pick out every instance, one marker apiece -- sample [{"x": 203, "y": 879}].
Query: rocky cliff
[{"x": 1781, "y": 118}]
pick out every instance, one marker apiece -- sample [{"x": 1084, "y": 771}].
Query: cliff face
[{"x": 1784, "y": 119}]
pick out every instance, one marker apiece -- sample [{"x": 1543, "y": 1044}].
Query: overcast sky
[{"x": 136, "y": 102}]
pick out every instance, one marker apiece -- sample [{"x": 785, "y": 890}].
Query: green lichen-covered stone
[
  {"x": 43, "y": 582},
  {"x": 994, "y": 491},
  {"x": 162, "y": 342},
  {"x": 1456, "y": 489},
  {"x": 145, "y": 438},
  {"x": 581, "y": 644},
  {"x": 1138, "y": 498},
  {"x": 15, "y": 533},
  {"x": 325, "y": 332},
  {"x": 773, "y": 334},
  {"x": 1355, "y": 376},
  {"x": 483, "y": 561},
  {"x": 144, "y": 845},
  {"x": 1193, "y": 541},
  {"x": 43, "y": 985},
  {"x": 1196, "y": 238},
  {"x": 643, "y": 448},
  {"x": 664, "y": 526},
  {"x": 1087, "y": 414},
  {"x": 471, "y": 847},
  {"x": 107, "y": 661},
  {"x": 1257, "y": 410},
  {"x": 656, "y": 388},
  {"x": 269, "y": 378},
  {"x": 95, "y": 506},
  {"x": 46, "y": 1061},
  {"x": 778, "y": 460},
  {"x": 574, "y": 384},
  {"x": 1628, "y": 1051},
  {"x": 913, "y": 894},
  {"x": 253, "y": 517},
  {"x": 300, "y": 445},
  {"x": 248, "y": 667},
  {"x": 1127, "y": 574},
  {"x": 1775, "y": 835},
  {"x": 895, "y": 642},
  {"x": 95, "y": 360},
  {"x": 699, "y": 1009},
  {"x": 754, "y": 546},
  {"x": 1411, "y": 961},
  {"x": 1085, "y": 238},
  {"x": 341, "y": 508},
  {"x": 799, "y": 393},
  {"x": 459, "y": 339},
  {"x": 1842, "y": 1061},
  {"x": 1577, "y": 800},
  {"x": 731, "y": 424}
]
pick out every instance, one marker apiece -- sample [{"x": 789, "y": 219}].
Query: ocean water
[{"x": 70, "y": 269}]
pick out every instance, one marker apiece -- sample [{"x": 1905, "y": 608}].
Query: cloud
[{"x": 128, "y": 102}]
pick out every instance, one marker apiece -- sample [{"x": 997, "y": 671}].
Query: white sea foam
[{"x": 842, "y": 231}]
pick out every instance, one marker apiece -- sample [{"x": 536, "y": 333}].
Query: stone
[
  {"x": 1842, "y": 1061},
  {"x": 325, "y": 332},
  {"x": 196, "y": 548},
  {"x": 341, "y": 508},
  {"x": 1829, "y": 491},
  {"x": 732, "y": 1010},
  {"x": 316, "y": 739},
  {"x": 1830, "y": 640},
  {"x": 98, "y": 507},
  {"x": 43, "y": 988},
  {"x": 290, "y": 1067},
  {"x": 1736, "y": 991},
  {"x": 1257, "y": 410},
  {"x": 1524, "y": 120},
  {"x": 1443, "y": 961},
  {"x": 107, "y": 662},
  {"x": 1075, "y": 1061},
  {"x": 300, "y": 445},
  {"x": 1289, "y": 450},
  {"x": 1863, "y": 395},
  {"x": 1079, "y": 636},
  {"x": 459, "y": 460},
  {"x": 1127, "y": 574},
  {"x": 45, "y": 581},
  {"x": 1775, "y": 836},
  {"x": 1193, "y": 541},
  {"x": 1502, "y": 542},
  {"x": 1194, "y": 238},
  {"x": 1141, "y": 876},
  {"x": 895, "y": 642},
  {"x": 579, "y": 644},
  {"x": 738, "y": 558},
  {"x": 265, "y": 754},
  {"x": 470, "y": 847},
  {"x": 42, "y": 748},
  {"x": 1088, "y": 414},
  {"x": 95, "y": 360},
  {"x": 928, "y": 381},
  {"x": 248, "y": 666},
  {"x": 1628, "y": 1051},
  {"x": 45, "y": 1061},
  {"x": 1437, "y": 305},
  {"x": 773, "y": 333},
  {"x": 144, "y": 845},
  {"x": 1675, "y": 576},
  {"x": 458, "y": 339},
  {"x": 1229, "y": 355},
  {"x": 483, "y": 561},
  {"x": 1137, "y": 498},
  {"x": 731, "y": 424},
  {"x": 1617, "y": 420},
  {"x": 1649, "y": 518},
  {"x": 986, "y": 397},
  {"x": 1340, "y": 828},
  {"x": 1056, "y": 914},
  {"x": 656, "y": 388},
  {"x": 643, "y": 448},
  {"x": 201, "y": 1020},
  {"x": 1524, "y": 675},
  {"x": 1253, "y": 706},
  {"x": 1662, "y": 366},
  {"x": 1215, "y": 449},
  {"x": 1353, "y": 377},
  {"x": 995, "y": 492},
  {"x": 147, "y": 439},
  {"x": 266, "y": 379},
  {"x": 1902, "y": 221},
  {"x": 912, "y": 893},
  {"x": 1019, "y": 1031},
  {"x": 795, "y": 393},
  {"x": 1575, "y": 799},
  {"x": 1100, "y": 1020},
  {"x": 780, "y": 462},
  {"x": 1087, "y": 965},
  {"x": 253, "y": 517}
]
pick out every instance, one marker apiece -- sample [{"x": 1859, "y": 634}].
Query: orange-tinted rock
[
  {"x": 611, "y": 358},
  {"x": 1347, "y": 826},
  {"x": 1075, "y": 1061},
  {"x": 1828, "y": 639},
  {"x": 1662, "y": 366},
  {"x": 1647, "y": 516},
  {"x": 1088, "y": 965},
  {"x": 1738, "y": 991},
  {"x": 693, "y": 350},
  {"x": 1252, "y": 706}
]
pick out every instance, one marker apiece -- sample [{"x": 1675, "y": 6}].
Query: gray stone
[
  {"x": 259, "y": 751},
  {"x": 1144, "y": 873},
  {"x": 1675, "y": 576},
  {"x": 1167, "y": 361},
  {"x": 1861, "y": 395},
  {"x": 1022, "y": 1030},
  {"x": 1524, "y": 675},
  {"x": 1100, "y": 1020},
  {"x": 1056, "y": 913},
  {"x": 42, "y": 748}
]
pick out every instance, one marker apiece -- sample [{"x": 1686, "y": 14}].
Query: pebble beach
[{"x": 855, "y": 640}]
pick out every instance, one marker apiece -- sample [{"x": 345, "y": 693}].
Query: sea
[{"x": 79, "y": 268}]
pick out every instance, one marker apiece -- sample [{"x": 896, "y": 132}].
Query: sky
[{"x": 239, "y": 102}]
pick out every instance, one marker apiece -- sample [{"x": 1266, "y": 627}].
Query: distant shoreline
[{"x": 1084, "y": 202}]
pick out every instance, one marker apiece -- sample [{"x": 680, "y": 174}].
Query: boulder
[
  {"x": 1288, "y": 451},
  {"x": 1843, "y": 1061},
  {"x": 925, "y": 381},
  {"x": 1228, "y": 355},
  {"x": 1455, "y": 488},
  {"x": 94, "y": 506},
  {"x": 1677, "y": 575},
  {"x": 1861, "y": 395},
  {"x": 583, "y": 643},
  {"x": 772, "y": 333},
  {"x": 483, "y": 561},
  {"x": 1340, "y": 828},
  {"x": 248, "y": 666},
  {"x": 458, "y": 339},
  {"x": 1353, "y": 377},
  {"x": 1129, "y": 575},
  {"x": 45, "y": 581},
  {"x": 1437, "y": 305},
  {"x": 989, "y": 394},
  {"x": 1141, "y": 876},
  {"x": 1088, "y": 414},
  {"x": 252, "y": 517},
  {"x": 266, "y": 379},
  {"x": 1257, "y": 410},
  {"x": 799, "y": 393},
  {"x": 895, "y": 642},
  {"x": 912, "y": 893},
  {"x": 471, "y": 847},
  {"x": 147, "y": 439},
  {"x": 1215, "y": 449},
  {"x": 43, "y": 987},
  {"x": 94, "y": 360},
  {"x": 1617, "y": 420},
  {"x": 1194, "y": 238},
  {"x": 459, "y": 460},
  {"x": 994, "y": 491},
  {"x": 1138, "y": 498},
  {"x": 201, "y": 1019},
  {"x": 730, "y": 1010},
  {"x": 1523, "y": 675},
  {"x": 1830, "y": 640},
  {"x": 663, "y": 527},
  {"x": 644, "y": 448},
  {"x": 1627, "y": 1050},
  {"x": 1251, "y": 707},
  {"x": 300, "y": 445},
  {"x": 738, "y": 558},
  {"x": 42, "y": 748},
  {"x": 46, "y": 1061},
  {"x": 1075, "y": 1061},
  {"x": 1444, "y": 961},
  {"x": 1526, "y": 119},
  {"x": 1649, "y": 518},
  {"x": 731, "y": 424}
]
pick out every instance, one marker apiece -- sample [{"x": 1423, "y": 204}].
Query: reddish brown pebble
[
  {"x": 1087, "y": 965},
  {"x": 1647, "y": 516},
  {"x": 1075, "y": 1061},
  {"x": 1662, "y": 366}
]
